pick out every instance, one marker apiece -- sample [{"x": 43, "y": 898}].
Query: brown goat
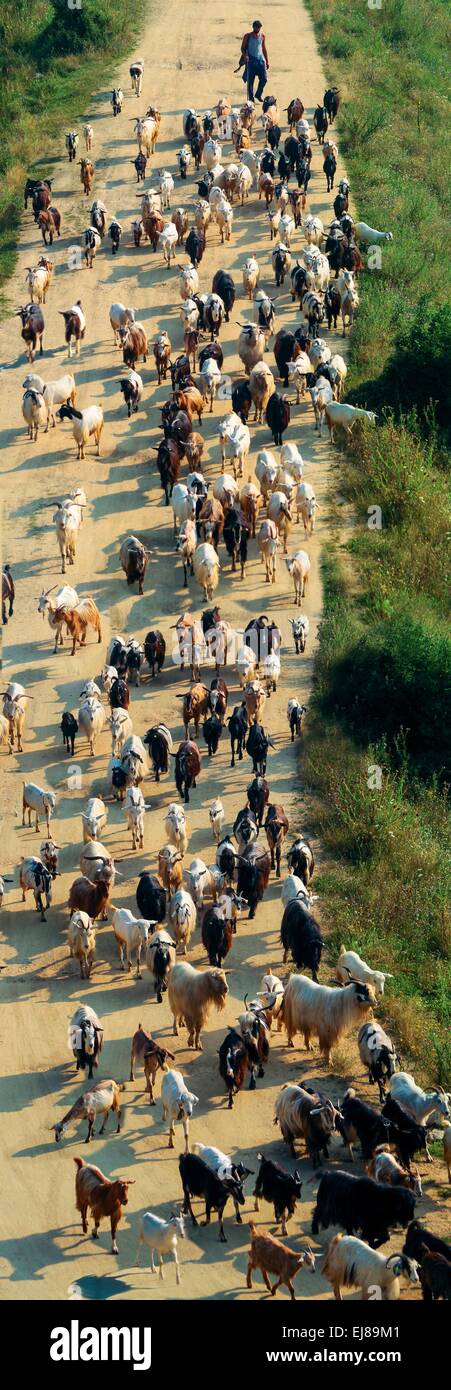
[
  {"x": 90, "y": 897},
  {"x": 170, "y": 868},
  {"x": 271, "y": 1256},
  {"x": 77, "y": 620},
  {"x": 191, "y": 401},
  {"x": 104, "y": 1198},
  {"x": 147, "y": 1053},
  {"x": 276, "y": 828},
  {"x": 195, "y": 706},
  {"x": 49, "y": 223},
  {"x": 86, "y": 174}
]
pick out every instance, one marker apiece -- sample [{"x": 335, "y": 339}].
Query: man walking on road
[{"x": 255, "y": 57}]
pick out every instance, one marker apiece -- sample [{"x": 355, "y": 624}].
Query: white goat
[
  {"x": 132, "y": 933},
  {"x": 345, "y": 415},
  {"x": 351, "y": 1263},
  {"x": 420, "y": 1105},
  {"x": 306, "y": 506},
  {"x": 40, "y": 801},
  {"x": 235, "y": 443},
  {"x": 121, "y": 726},
  {"x": 93, "y": 819},
  {"x": 178, "y": 1104},
  {"x": 34, "y": 412},
  {"x": 120, "y": 317},
  {"x": 167, "y": 242},
  {"x": 293, "y": 887},
  {"x": 370, "y": 235},
  {"x": 134, "y": 808},
  {"x": 91, "y": 720},
  {"x": 161, "y": 1236},
  {"x": 350, "y": 966},
  {"x": 271, "y": 995},
  {"x": 299, "y": 568},
  {"x": 182, "y": 914},
  {"x": 216, "y": 817},
  {"x": 176, "y": 827}
]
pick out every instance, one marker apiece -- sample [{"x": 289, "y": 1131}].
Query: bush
[
  {"x": 69, "y": 31},
  {"x": 393, "y": 679},
  {"x": 417, "y": 375}
]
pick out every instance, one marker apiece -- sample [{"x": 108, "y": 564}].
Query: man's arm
[
  {"x": 265, "y": 51},
  {"x": 244, "y": 48}
]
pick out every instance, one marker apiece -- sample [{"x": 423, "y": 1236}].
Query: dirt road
[{"x": 42, "y": 1251}]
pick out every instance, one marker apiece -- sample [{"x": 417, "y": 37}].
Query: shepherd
[{"x": 254, "y": 58}]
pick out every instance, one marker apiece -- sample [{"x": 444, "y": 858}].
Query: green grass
[
  {"x": 393, "y": 129},
  {"x": 52, "y": 60},
  {"x": 383, "y": 669},
  {"x": 387, "y": 841}
]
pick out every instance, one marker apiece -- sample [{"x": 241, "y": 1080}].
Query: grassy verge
[
  {"x": 52, "y": 59},
  {"x": 393, "y": 120},
  {"x": 386, "y": 836},
  {"x": 384, "y": 663}
]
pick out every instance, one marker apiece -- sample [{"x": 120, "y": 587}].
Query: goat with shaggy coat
[
  {"x": 192, "y": 994},
  {"x": 351, "y": 1264},
  {"x": 361, "y": 1205},
  {"x": 360, "y": 1122},
  {"x": 326, "y": 1013},
  {"x": 275, "y": 1185},
  {"x": 306, "y": 1115}
]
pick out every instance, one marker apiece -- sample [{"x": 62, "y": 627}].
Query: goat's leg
[
  {"x": 187, "y": 1208},
  {"x": 114, "y": 1225}
]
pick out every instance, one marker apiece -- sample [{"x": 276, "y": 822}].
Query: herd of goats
[{"x": 177, "y": 900}]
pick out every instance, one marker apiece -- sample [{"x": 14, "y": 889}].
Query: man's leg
[
  {"x": 251, "y": 75},
  {"x": 262, "y": 80}
]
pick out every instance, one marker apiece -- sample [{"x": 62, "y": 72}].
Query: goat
[
  {"x": 270, "y": 1256},
  {"x": 105, "y": 1198},
  {"x": 352, "y": 1264}
]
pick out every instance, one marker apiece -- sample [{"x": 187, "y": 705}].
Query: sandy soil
[{"x": 42, "y": 1251}]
